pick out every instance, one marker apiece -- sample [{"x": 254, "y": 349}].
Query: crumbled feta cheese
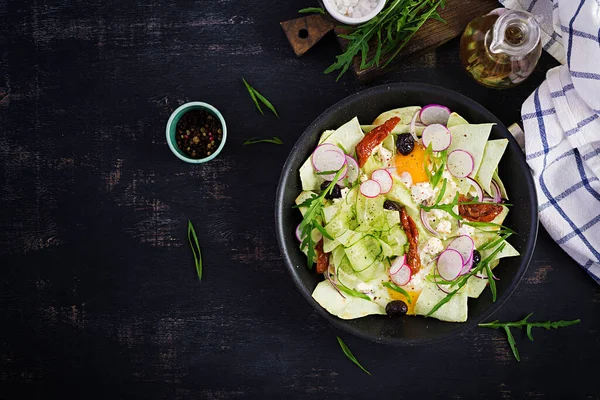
[
  {"x": 466, "y": 230},
  {"x": 444, "y": 226},
  {"x": 355, "y": 8},
  {"x": 383, "y": 154},
  {"x": 437, "y": 215},
  {"x": 433, "y": 246},
  {"x": 363, "y": 178},
  {"x": 406, "y": 178},
  {"x": 421, "y": 192},
  {"x": 364, "y": 287}
]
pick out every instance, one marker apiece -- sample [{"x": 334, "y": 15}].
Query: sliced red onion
[
  {"x": 328, "y": 276},
  {"x": 370, "y": 188},
  {"x": 487, "y": 199},
  {"x": 426, "y": 224},
  {"x": 477, "y": 187},
  {"x": 449, "y": 264},
  {"x": 397, "y": 264},
  {"x": 442, "y": 289},
  {"x": 480, "y": 276},
  {"x": 461, "y": 163},
  {"x": 403, "y": 276},
  {"x": 464, "y": 245},
  {"x": 497, "y": 193},
  {"x": 434, "y": 114},
  {"x": 384, "y": 178},
  {"x": 438, "y": 136},
  {"x": 413, "y": 127},
  {"x": 328, "y": 157}
]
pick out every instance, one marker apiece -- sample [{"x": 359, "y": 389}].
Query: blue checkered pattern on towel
[{"x": 562, "y": 128}]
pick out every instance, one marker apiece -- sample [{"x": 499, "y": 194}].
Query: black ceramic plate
[{"x": 514, "y": 172}]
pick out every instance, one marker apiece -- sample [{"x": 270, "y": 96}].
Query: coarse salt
[{"x": 355, "y": 8}]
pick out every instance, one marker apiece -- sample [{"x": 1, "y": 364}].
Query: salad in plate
[{"x": 404, "y": 216}]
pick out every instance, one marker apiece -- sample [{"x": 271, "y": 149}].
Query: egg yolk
[
  {"x": 413, "y": 164},
  {"x": 399, "y": 296}
]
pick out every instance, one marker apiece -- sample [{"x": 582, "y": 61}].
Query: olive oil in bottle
[{"x": 501, "y": 49}]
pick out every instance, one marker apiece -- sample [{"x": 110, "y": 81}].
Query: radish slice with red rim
[
  {"x": 442, "y": 288},
  {"x": 353, "y": 169},
  {"x": 328, "y": 157},
  {"x": 298, "y": 233},
  {"x": 464, "y": 245},
  {"x": 425, "y": 222},
  {"x": 460, "y": 163},
  {"x": 467, "y": 267},
  {"x": 329, "y": 177},
  {"x": 370, "y": 188},
  {"x": 477, "y": 187},
  {"x": 384, "y": 178},
  {"x": 402, "y": 276},
  {"x": 397, "y": 264},
  {"x": 438, "y": 136},
  {"x": 449, "y": 264},
  {"x": 434, "y": 114}
]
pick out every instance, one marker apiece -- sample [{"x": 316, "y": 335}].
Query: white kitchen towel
[{"x": 562, "y": 129}]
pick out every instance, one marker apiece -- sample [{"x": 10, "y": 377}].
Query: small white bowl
[{"x": 332, "y": 10}]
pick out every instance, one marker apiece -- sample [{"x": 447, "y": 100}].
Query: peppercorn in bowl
[{"x": 196, "y": 132}]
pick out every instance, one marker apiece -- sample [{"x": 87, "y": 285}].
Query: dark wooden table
[{"x": 98, "y": 294}]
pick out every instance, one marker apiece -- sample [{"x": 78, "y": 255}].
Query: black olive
[
  {"x": 476, "y": 258},
  {"x": 391, "y": 205},
  {"x": 405, "y": 143},
  {"x": 335, "y": 193},
  {"x": 396, "y": 308}
]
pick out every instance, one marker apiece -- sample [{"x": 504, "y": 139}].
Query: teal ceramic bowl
[{"x": 172, "y": 130}]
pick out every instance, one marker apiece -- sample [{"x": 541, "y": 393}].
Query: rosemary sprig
[
  {"x": 309, "y": 10},
  {"x": 274, "y": 140},
  {"x": 310, "y": 222},
  {"x": 528, "y": 326},
  {"x": 349, "y": 354},
  {"x": 256, "y": 96},
  {"x": 393, "y": 27},
  {"x": 398, "y": 289},
  {"x": 195, "y": 249}
]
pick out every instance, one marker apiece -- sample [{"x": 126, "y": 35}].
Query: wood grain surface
[{"x": 98, "y": 293}]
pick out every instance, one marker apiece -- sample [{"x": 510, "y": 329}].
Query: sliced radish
[
  {"x": 298, "y": 233},
  {"x": 449, "y": 264},
  {"x": 426, "y": 224},
  {"x": 328, "y": 157},
  {"x": 443, "y": 288},
  {"x": 477, "y": 187},
  {"x": 413, "y": 126},
  {"x": 460, "y": 163},
  {"x": 464, "y": 245},
  {"x": 316, "y": 235},
  {"x": 434, "y": 114},
  {"x": 438, "y": 136},
  {"x": 353, "y": 169},
  {"x": 402, "y": 276},
  {"x": 397, "y": 264},
  {"x": 384, "y": 178},
  {"x": 330, "y": 177},
  {"x": 497, "y": 194},
  {"x": 467, "y": 267},
  {"x": 370, "y": 188}
]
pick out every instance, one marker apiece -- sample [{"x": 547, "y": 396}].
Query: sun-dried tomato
[
  {"x": 412, "y": 234},
  {"x": 373, "y": 139},
  {"x": 322, "y": 258},
  {"x": 478, "y": 212}
]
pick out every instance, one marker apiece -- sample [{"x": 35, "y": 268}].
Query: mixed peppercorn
[{"x": 198, "y": 134}]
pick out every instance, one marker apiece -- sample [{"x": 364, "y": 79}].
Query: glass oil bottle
[{"x": 501, "y": 49}]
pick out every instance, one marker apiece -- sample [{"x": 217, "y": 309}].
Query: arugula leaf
[
  {"x": 309, "y": 10},
  {"x": 529, "y": 326},
  {"x": 195, "y": 249},
  {"x": 349, "y": 354},
  {"x": 398, "y": 289},
  {"x": 274, "y": 140}
]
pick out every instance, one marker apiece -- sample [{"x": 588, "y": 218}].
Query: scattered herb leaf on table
[
  {"x": 256, "y": 97},
  {"x": 349, "y": 354},
  {"x": 195, "y": 249},
  {"x": 274, "y": 140},
  {"x": 309, "y": 10}
]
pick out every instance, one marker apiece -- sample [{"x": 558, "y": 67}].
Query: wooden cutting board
[{"x": 304, "y": 32}]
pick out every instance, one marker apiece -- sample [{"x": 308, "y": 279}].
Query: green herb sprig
[
  {"x": 274, "y": 140},
  {"x": 256, "y": 97},
  {"x": 392, "y": 28},
  {"x": 398, "y": 289},
  {"x": 349, "y": 354},
  {"x": 437, "y": 164},
  {"x": 310, "y": 222},
  {"x": 310, "y": 10},
  {"x": 195, "y": 249},
  {"x": 528, "y": 326}
]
